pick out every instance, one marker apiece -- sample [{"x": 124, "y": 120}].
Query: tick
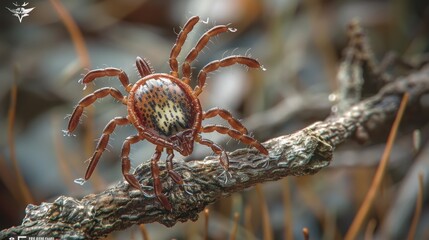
[{"x": 165, "y": 110}]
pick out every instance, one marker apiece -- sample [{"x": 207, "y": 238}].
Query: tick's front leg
[
  {"x": 126, "y": 164},
  {"x": 223, "y": 157},
  {"x": 173, "y": 174},
  {"x": 157, "y": 181}
]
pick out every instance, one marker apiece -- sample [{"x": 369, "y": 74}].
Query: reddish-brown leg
[
  {"x": 177, "y": 47},
  {"x": 202, "y": 42},
  {"x": 107, "y": 72},
  {"x": 102, "y": 143},
  {"x": 143, "y": 67},
  {"x": 225, "y": 62},
  {"x": 223, "y": 157},
  {"x": 156, "y": 179},
  {"x": 88, "y": 100},
  {"x": 236, "y": 135},
  {"x": 225, "y": 114},
  {"x": 173, "y": 174},
  {"x": 126, "y": 164}
]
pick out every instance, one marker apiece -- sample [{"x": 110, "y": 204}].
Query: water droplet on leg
[
  {"x": 333, "y": 97},
  {"x": 206, "y": 21},
  {"x": 80, "y": 181},
  {"x": 66, "y": 133}
]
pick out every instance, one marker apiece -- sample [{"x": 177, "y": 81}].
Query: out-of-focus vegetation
[{"x": 300, "y": 44}]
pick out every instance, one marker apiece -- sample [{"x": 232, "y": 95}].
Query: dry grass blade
[
  {"x": 369, "y": 232},
  {"x": 74, "y": 31},
  {"x": 235, "y": 227},
  {"x": 287, "y": 210},
  {"x": 143, "y": 231},
  {"x": 418, "y": 209},
  {"x": 26, "y": 194},
  {"x": 266, "y": 223},
  {"x": 306, "y": 233},
  {"x": 248, "y": 221},
  {"x": 206, "y": 223},
  {"x": 8, "y": 179},
  {"x": 369, "y": 199}
]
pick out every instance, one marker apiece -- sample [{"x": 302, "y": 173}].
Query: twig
[
  {"x": 400, "y": 214},
  {"x": 234, "y": 230},
  {"x": 418, "y": 209},
  {"x": 23, "y": 187}
]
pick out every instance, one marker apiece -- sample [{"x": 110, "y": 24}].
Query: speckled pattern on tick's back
[{"x": 163, "y": 107}]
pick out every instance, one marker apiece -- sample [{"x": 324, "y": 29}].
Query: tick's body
[
  {"x": 162, "y": 106},
  {"x": 165, "y": 110},
  {"x": 161, "y": 109}
]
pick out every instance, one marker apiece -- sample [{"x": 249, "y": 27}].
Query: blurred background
[{"x": 300, "y": 44}]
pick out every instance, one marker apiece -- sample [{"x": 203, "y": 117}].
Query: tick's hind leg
[
  {"x": 236, "y": 135},
  {"x": 173, "y": 174},
  {"x": 156, "y": 179},
  {"x": 102, "y": 143},
  {"x": 88, "y": 100},
  {"x": 225, "y": 114}
]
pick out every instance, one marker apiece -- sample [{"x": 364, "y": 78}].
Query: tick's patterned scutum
[{"x": 163, "y": 107}]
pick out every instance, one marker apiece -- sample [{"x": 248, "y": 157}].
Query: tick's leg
[
  {"x": 177, "y": 47},
  {"x": 157, "y": 181},
  {"x": 102, "y": 143},
  {"x": 126, "y": 164},
  {"x": 225, "y": 114},
  {"x": 236, "y": 135},
  {"x": 202, "y": 42},
  {"x": 143, "y": 67},
  {"x": 107, "y": 72},
  {"x": 223, "y": 157},
  {"x": 173, "y": 174},
  {"x": 88, "y": 100},
  {"x": 225, "y": 62}
]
